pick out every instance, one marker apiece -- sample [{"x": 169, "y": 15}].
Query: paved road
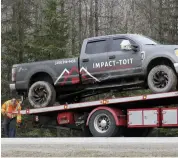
[{"x": 75, "y": 147}]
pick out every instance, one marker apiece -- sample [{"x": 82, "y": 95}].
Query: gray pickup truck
[{"x": 112, "y": 62}]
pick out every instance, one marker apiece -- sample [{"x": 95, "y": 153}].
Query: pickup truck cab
[{"x": 112, "y": 62}]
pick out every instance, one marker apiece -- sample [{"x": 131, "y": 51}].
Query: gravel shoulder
[{"x": 89, "y": 147}]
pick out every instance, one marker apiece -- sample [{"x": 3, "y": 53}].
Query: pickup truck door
[
  {"x": 92, "y": 61},
  {"x": 127, "y": 62}
]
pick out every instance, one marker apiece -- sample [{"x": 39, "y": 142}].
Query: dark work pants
[{"x": 9, "y": 127}]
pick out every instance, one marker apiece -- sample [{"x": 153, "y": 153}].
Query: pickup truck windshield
[{"x": 145, "y": 40}]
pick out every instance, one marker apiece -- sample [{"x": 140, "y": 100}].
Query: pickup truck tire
[
  {"x": 107, "y": 128},
  {"x": 41, "y": 94},
  {"x": 162, "y": 79}
]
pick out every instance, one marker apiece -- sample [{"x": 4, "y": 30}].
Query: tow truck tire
[
  {"x": 162, "y": 79},
  {"x": 137, "y": 132},
  {"x": 41, "y": 91},
  {"x": 102, "y": 124}
]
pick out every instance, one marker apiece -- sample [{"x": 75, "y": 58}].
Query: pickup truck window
[
  {"x": 116, "y": 45},
  {"x": 95, "y": 47}
]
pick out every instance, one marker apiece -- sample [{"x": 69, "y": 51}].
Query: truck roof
[{"x": 113, "y": 35}]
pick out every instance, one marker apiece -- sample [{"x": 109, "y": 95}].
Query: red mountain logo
[{"x": 75, "y": 80}]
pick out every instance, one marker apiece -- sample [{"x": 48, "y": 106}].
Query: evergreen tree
[
  {"x": 51, "y": 42},
  {"x": 16, "y": 24}
]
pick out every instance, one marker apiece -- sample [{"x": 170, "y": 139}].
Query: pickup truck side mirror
[{"x": 135, "y": 47}]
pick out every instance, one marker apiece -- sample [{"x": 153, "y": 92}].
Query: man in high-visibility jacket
[{"x": 11, "y": 112}]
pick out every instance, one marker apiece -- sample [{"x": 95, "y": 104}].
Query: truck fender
[
  {"x": 120, "y": 121},
  {"x": 43, "y": 68},
  {"x": 147, "y": 62}
]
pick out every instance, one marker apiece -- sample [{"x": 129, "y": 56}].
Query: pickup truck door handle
[
  {"x": 112, "y": 57},
  {"x": 85, "y": 60}
]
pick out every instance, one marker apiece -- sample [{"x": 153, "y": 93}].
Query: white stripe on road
[{"x": 86, "y": 140}]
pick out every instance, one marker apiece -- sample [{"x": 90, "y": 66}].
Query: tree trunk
[
  {"x": 111, "y": 18},
  {"x": 21, "y": 29},
  {"x": 73, "y": 27},
  {"x": 80, "y": 23},
  {"x": 176, "y": 22},
  {"x": 133, "y": 15},
  {"x": 96, "y": 18},
  {"x": 91, "y": 19},
  {"x": 62, "y": 11},
  {"x": 150, "y": 17},
  {"x": 160, "y": 20}
]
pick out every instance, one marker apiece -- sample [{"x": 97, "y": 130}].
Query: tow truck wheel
[
  {"x": 41, "y": 94},
  {"x": 137, "y": 132},
  {"x": 162, "y": 79},
  {"x": 102, "y": 124}
]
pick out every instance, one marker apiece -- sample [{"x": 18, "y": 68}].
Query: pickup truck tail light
[{"x": 13, "y": 74}]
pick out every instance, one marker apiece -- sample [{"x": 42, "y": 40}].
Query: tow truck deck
[
  {"x": 106, "y": 117},
  {"x": 154, "y": 99}
]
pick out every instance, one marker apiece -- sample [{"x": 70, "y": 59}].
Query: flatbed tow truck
[{"x": 125, "y": 116}]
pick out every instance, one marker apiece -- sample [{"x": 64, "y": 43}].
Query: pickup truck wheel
[
  {"x": 41, "y": 94},
  {"x": 102, "y": 124},
  {"x": 162, "y": 79}
]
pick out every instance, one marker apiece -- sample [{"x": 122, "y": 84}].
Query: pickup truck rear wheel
[
  {"x": 41, "y": 94},
  {"x": 162, "y": 79}
]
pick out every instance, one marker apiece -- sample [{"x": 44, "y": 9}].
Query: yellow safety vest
[{"x": 11, "y": 111}]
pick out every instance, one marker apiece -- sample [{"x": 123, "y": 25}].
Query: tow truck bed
[
  {"x": 144, "y": 101},
  {"x": 130, "y": 116}
]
